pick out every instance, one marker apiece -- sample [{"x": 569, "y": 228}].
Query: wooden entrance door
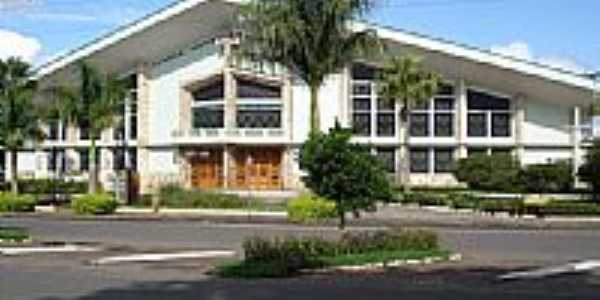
[
  {"x": 257, "y": 168},
  {"x": 207, "y": 169}
]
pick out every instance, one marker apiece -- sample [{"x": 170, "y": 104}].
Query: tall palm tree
[
  {"x": 19, "y": 117},
  {"x": 97, "y": 101},
  {"x": 311, "y": 38},
  {"x": 404, "y": 79}
]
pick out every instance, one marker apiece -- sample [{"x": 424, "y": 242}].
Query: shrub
[
  {"x": 589, "y": 172},
  {"x": 547, "y": 178},
  {"x": 498, "y": 172},
  {"x": 463, "y": 201},
  {"x": 344, "y": 172},
  {"x": 49, "y": 186},
  {"x": 426, "y": 198},
  {"x": 511, "y": 206},
  {"x": 13, "y": 234},
  {"x": 566, "y": 208},
  {"x": 16, "y": 203},
  {"x": 177, "y": 197},
  {"x": 95, "y": 204},
  {"x": 309, "y": 208}
]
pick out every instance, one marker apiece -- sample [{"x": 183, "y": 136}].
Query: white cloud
[
  {"x": 521, "y": 50},
  {"x": 18, "y": 45}
]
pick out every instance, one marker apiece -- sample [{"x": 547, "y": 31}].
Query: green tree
[
  {"x": 589, "y": 172},
  {"x": 311, "y": 38},
  {"x": 19, "y": 117},
  {"x": 404, "y": 79},
  {"x": 97, "y": 101},
  {"x": 344, "y": 172}
]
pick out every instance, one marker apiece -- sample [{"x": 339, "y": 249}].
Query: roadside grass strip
[
  {"x": 15, "y": 251},
  {"x": 162, "y": 257},
  {"x": 572, "y": 268},
  {"x": 13, "y": 235}
]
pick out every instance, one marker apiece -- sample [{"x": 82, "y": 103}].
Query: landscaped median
[
  {"x": 13, "y": 235},
  {"x": 288, "y": 256}
]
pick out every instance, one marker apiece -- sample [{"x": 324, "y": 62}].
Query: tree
[
  {"x": 97, "y": 101},
  {"x": 345, "y": 173},
  {"x": 589, "y": 172},
  {"x": 311, "y": 38},
  {"x": 403, "y": 79},
  {"x": 19, "y": 117}
]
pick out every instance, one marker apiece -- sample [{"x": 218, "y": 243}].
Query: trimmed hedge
[
  {"x": 288, "y": 255},
  {"x": 425, "y": 199},
  {"x": 547, "y": 178},
  {"x": 497, "y": 172},
  {"x": 96, "y": 204},
  {"x": 308, "y": 208},
  {"x": 16, "y": 203},
  {"x": 49, "y": 186},
  {"x": 176, "y": 197},
  {"x": 566, "y": 209},
  {"x": 512, "y": 206}
]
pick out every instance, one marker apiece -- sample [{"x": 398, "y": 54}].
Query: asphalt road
[{"x": 487, "y": 253}]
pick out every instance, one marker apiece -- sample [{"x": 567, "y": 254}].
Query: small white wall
[
  {"x": 545, "y": 155},
  {"x": 165, "y": 88},
  {"x": 162, "y": 162},
  {"x": 546, "y": 123}
]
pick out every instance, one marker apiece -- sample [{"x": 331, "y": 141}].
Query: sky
[{"x": 561, "y": 33}]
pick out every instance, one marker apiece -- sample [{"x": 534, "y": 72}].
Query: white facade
[{"x": 526, "y": 109}]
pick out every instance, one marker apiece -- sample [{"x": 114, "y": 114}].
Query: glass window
[
  {"x": 133, "y": 158},
  {"x": 255, "y": 90},
  {"x": 53, "y": 130},
  {"x": 477, "y": 126},
  {"x": 259, "y": 116},
  {"x": 119, "y": 132},
  {"x": 361, "y": 104},
  {"x": 446, "y": 90},
  {"x": 363, "y": 72},
  {"x": 387, "y": 156},
  {"x": 361, "y": 89},
  {"x": 444, "y": 160},
  {"x": 419, "y": 124},
  {"x": 56, "y": 157},
  {"x": 84, "y": 130},
  {"x": 211, "y": 116},
  {"x": 444, "y": 124},
  {"x": 483, "y": 101},
  {"x": 84, "y": 159},
  {"x": 361, "y": 124},
  {"x": 386, "y": 124},
  {"x": 118, "y": 159},
  {"x": 500, "y": 124},
  {"x": 133, "y": 127},
  {"x": 210, "y": 92},
  {"x": 419, "y": 160}
]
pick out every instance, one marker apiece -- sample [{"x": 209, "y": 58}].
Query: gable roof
[{"x": 428, "y": 43}]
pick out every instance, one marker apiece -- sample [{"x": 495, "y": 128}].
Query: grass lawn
[
  {"x": 13, "y": 234},
  {"x": 244, "y": 269}
]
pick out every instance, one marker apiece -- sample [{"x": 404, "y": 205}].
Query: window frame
[
  {"x": 489, "y": 114},
  {"x": 431, "y": 112}
]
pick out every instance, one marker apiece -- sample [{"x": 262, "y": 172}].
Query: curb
[{"x": 392, "y": 264}]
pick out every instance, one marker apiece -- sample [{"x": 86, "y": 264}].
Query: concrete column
[
  {"x": 226, "y": 166},
  {"x": 287, "y": 108},
  {"x": 344, "y": 103},
  {"x": 519, "y": 122},
  {"x": 461, "y": 119},
  {"x": 143, "y": 140},
  {"x": 576, "y": 142},
  {"x": 230, "y": 85}
]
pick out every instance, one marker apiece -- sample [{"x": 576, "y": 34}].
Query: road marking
[
  {"x": 572, "y": 268},
  {"x": 159, "y": 257},
  {"x": 10, "y": 251}
]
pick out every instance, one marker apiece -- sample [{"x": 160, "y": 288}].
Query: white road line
[
  {"x": 10, "y": 251},
  {"x": 580, "y": 267},
  {"x": 159, "y": 257}
]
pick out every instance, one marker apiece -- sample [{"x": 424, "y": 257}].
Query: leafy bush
[
  {"x": 463, "y": 201},
  {"x": 426, "y": 198},
  {"x": 309, "y": 208},
  {"x": 547, "y": 178},
  {"x": 176, "y": 197},
  {"x": 13, "y": 234},
  {"x": 16, "y": 203},
  {"x": 565, "y": 208},
  {"x": 95, "y": 204},
  {"x": 589, "y": 172},
  {"x": 511, "y": 206},
  {"x": 49, "y": 186},
  {"x": 280, "y": 257},
  {"x": 498, "y": 172},
  {"x": 344, "y": 172}
]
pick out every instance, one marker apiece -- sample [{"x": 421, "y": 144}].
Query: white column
[
  {"x": 461, "y": 117},
  {"x": 519, "y": 122},
  {"x": 345, "y": 101},
  {"x": 576, "y": 141}
]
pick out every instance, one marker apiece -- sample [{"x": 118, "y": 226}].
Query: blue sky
[{"x": 558, "y": 32}]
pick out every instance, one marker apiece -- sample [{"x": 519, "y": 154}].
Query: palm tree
[
  {"x": 19, "y": 117},
  {"x": 96, "y": 101},
  {"x": 311, "y": 38},
  {"x": 403, "y": 79}
]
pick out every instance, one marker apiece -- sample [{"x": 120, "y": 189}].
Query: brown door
[
  {"x": 257, "y": 168},
  {"x": 207, "y": 169}
]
